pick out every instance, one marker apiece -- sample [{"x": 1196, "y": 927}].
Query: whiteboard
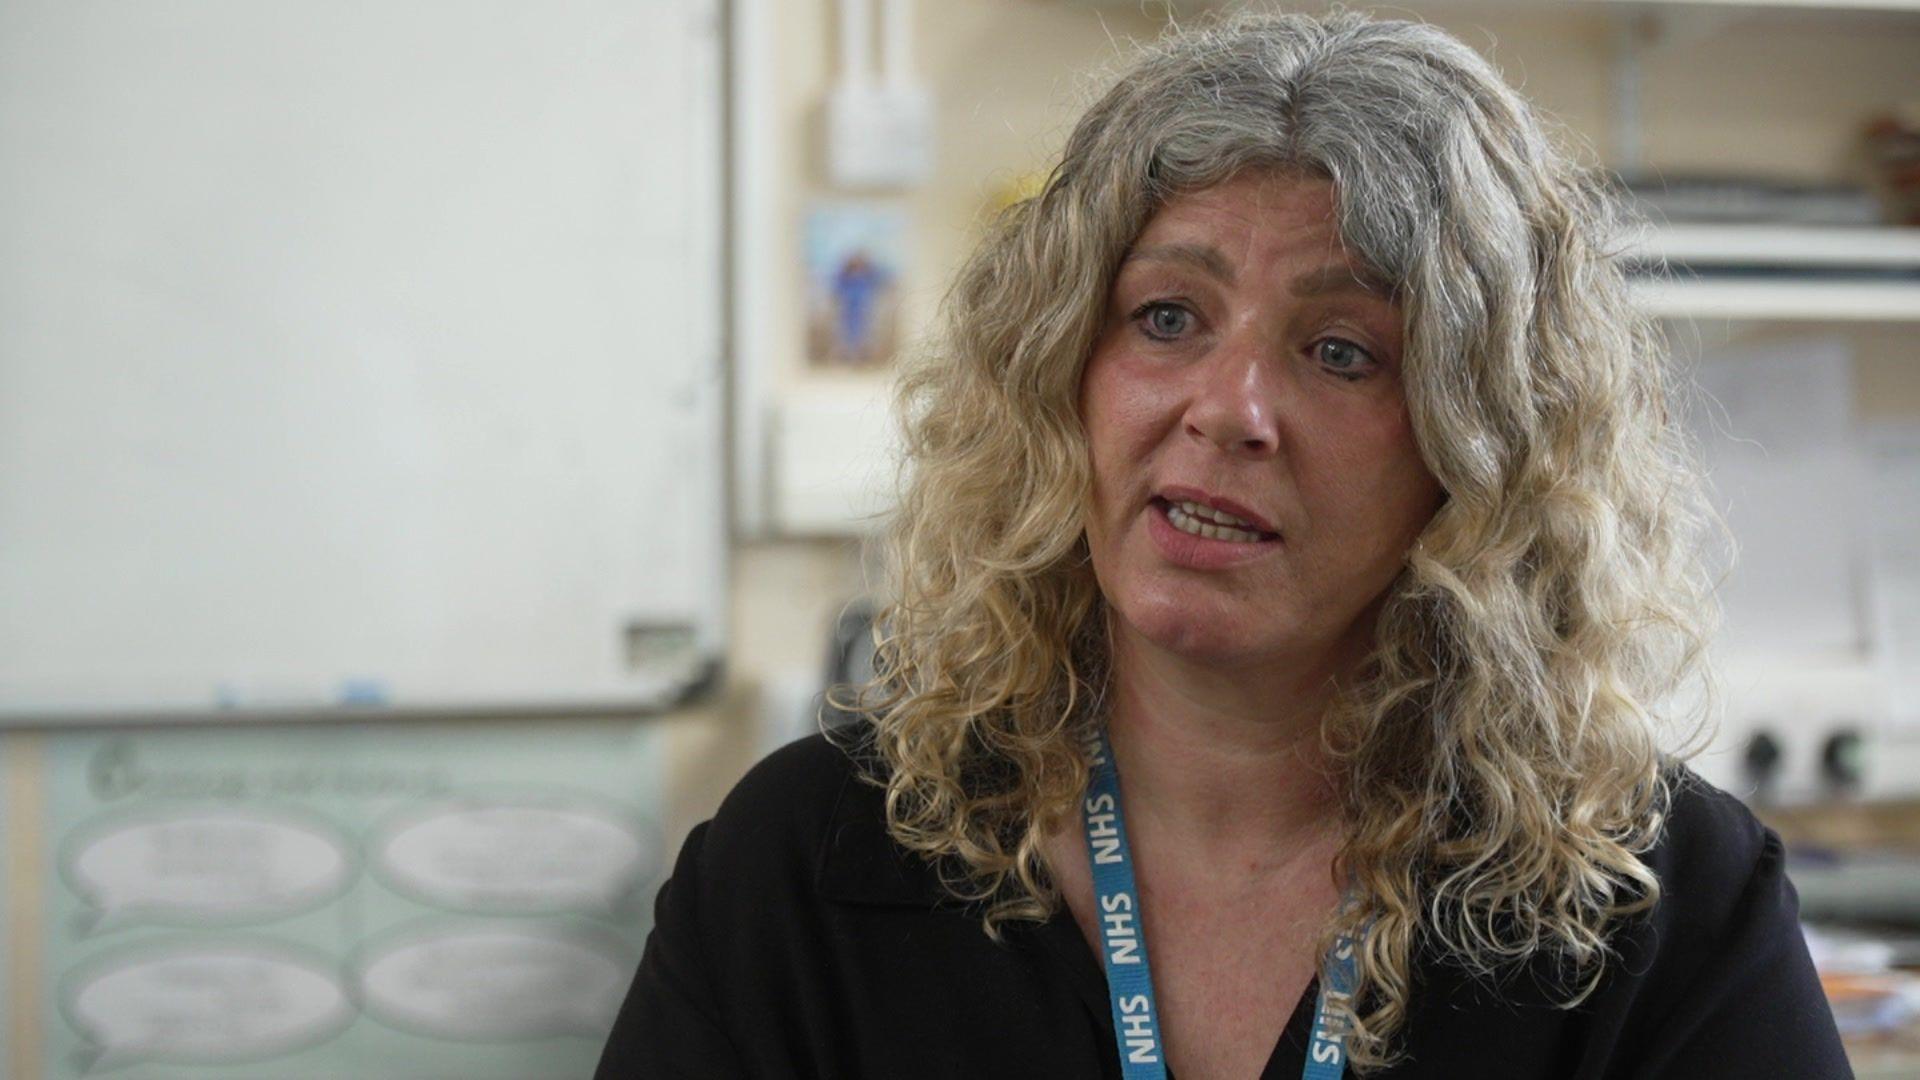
[{"x": 359, "y": 355}]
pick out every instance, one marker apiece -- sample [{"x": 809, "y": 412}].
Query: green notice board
[{"x": 357, "y": 900}]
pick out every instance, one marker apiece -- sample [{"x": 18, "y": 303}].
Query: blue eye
[
  {"x": 1164, "y": 321},
  {"x": 1342, "y": 357}
]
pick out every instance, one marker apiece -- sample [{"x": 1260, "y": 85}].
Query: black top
[{"x": 795, "y": 939}]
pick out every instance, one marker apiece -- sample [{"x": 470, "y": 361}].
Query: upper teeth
[
  {"x": 1220, "y": 517},
  {"x": 1205, "y": 521}
]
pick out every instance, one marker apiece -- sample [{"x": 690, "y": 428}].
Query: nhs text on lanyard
[{"x": 1136, "y": 1021}]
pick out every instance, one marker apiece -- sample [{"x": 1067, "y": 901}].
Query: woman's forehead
[
  {"x": 1264, "y": 218},
  {"x": 1251, "y": 195}
]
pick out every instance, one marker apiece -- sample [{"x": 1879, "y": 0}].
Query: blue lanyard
[{"x": 1136, "y": 1020}]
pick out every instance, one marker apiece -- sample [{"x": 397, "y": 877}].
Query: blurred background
[{"x": 437, "y": 440}]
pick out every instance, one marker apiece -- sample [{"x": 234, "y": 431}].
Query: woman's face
[{"x": 1244, "y": 368}]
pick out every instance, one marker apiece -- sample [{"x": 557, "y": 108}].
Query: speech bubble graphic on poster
[
  {"x": 495, "y": 982},
  {"x": 202, "y": 1003},
  {"x": 204, "y": 866},
  {"x": 517, "y": 855}
]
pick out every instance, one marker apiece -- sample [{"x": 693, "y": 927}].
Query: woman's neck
[{"x": 1220, "y": 770}]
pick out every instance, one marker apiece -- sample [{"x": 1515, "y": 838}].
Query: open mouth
[{"x": 1208, "y": 523}]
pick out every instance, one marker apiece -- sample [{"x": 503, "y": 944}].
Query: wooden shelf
[
  {"x": 1697, "y": 251},
  {"x": 1783, "y": 300},
  {"x": 1825, "y": 247}
]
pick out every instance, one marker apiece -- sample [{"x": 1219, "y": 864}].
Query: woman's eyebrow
[
  {"x": 1321, "y": 281},
  {"x": 1200, "y": 256},
  {"x": 1340, "y": 278}
]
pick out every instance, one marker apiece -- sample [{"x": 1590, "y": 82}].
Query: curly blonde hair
[{"x": 1502, "y": 760}]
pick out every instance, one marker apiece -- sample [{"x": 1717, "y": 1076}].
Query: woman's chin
[{"x": 1201, "y": 640}]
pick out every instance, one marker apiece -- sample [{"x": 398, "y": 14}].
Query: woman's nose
[{"x": 1234, "y": 404}]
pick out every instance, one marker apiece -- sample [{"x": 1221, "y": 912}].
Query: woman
[{"x": 1297, "y": 456}]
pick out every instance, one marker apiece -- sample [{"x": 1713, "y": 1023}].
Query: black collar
[{"x": 859, "y": 862}]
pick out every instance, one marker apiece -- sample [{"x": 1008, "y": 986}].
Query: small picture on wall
[{"x": 855, "y": 254}]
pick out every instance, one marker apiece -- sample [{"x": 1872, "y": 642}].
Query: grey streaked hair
[{"x": 1501, "y": 746}]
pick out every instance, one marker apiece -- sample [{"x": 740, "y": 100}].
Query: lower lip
[{"x": 1201, "y": 552}]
